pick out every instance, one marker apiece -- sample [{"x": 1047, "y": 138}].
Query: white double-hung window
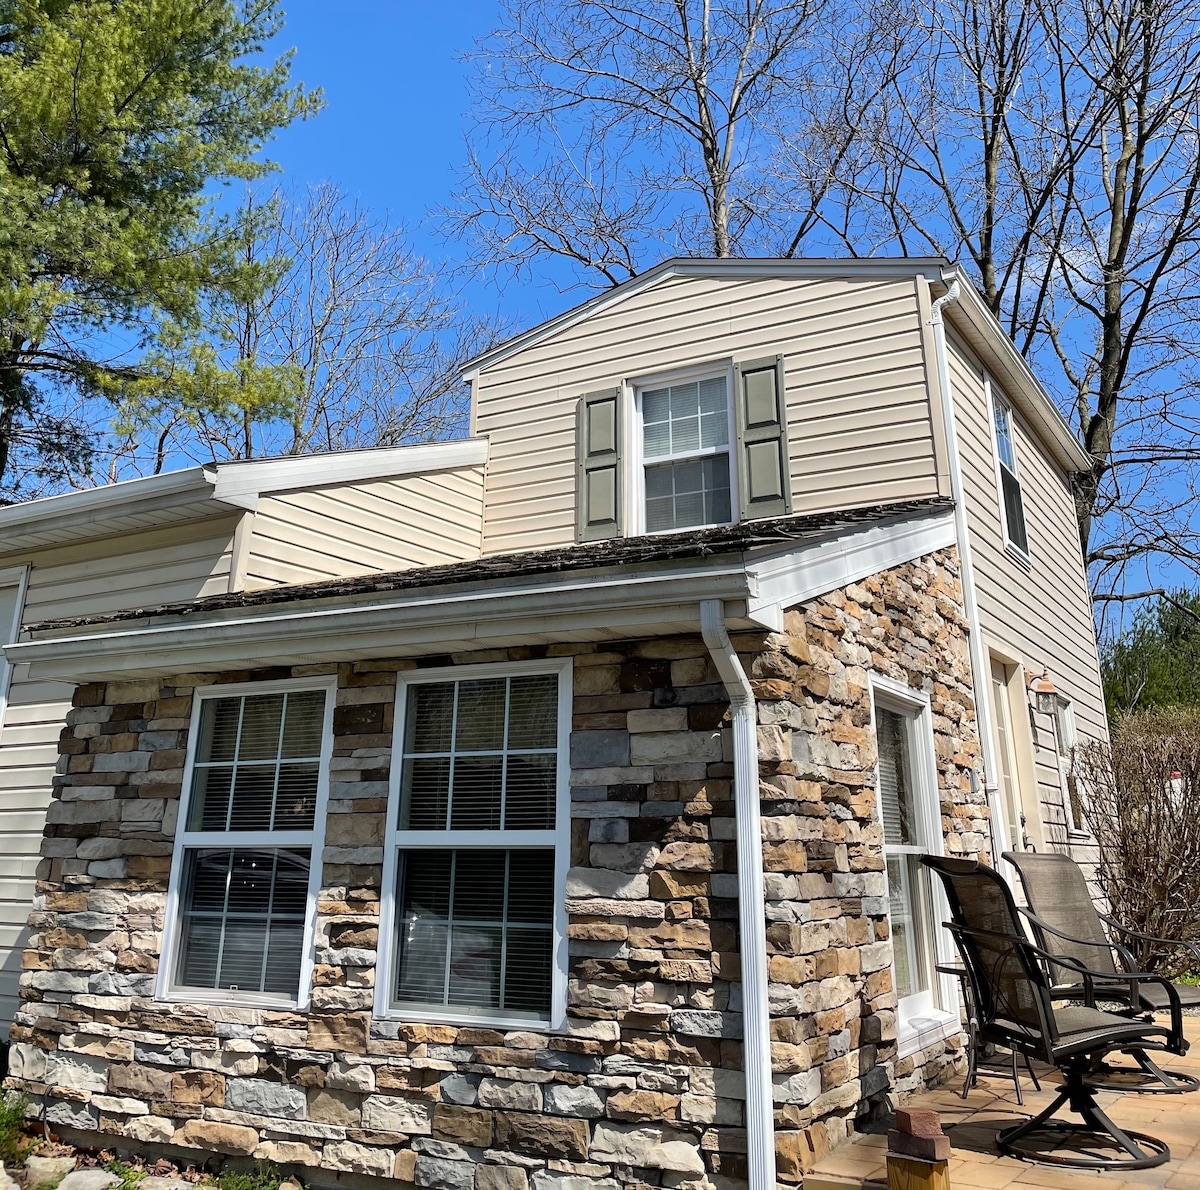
[
  {"x": 1012, "y": 507},
  {"x": 686, "y": 467},
  {"x": 910, "y": 814},
  {"x": 248, "y": 846},
  {"x": 475, "y": 870}
]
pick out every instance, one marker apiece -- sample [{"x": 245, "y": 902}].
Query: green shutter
[
  {"x": 764, "y": 485},
  {"x": 598, "y": 465}
]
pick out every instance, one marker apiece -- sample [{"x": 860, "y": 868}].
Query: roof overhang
[
  {"x": 606, "y": 603},
  {"x": 196, "y": 493}
]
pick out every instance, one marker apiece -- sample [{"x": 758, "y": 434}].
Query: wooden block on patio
[{"x": 916, "y": 1173}]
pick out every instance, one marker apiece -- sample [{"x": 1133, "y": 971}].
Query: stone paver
[{"x": 977, "y": 1164}]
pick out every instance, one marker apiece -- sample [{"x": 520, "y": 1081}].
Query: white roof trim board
[
  {"x": 606, "y": 604},
  {"x": 236, "y": 484}
]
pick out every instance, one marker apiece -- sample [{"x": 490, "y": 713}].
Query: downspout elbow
[{"x": 756, "y": 1038}]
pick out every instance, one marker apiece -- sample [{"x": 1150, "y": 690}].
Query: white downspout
[
  {"x": 980, "y": 669},
  {"x": 756, "y": 1037}
]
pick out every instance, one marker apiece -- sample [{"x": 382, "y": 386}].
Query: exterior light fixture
[{"x": 1043, "y": 694}]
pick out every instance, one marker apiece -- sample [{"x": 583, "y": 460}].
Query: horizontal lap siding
[
  {"x": 858, "y": 409},
  {"x": 1043, "y": 614},
  {"x": 392, "y": 524},
  {"x": 135, "y": 570}
]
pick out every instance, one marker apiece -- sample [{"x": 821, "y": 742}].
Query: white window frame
[
  {"x": 166, "y": 988},
  {"x": 638, "y": 462},
  {"x": 18, "y": 577},
  {"x": 935, "y": 1014},
  {"x": 997, "y": 400},
  {"x": 1066, "y": 740},
  {"x": 397, "y": 840}
]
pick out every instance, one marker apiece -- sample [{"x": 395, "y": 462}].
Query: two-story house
[{"x": 589, "y": 858}]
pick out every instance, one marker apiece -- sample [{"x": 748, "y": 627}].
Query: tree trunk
[{"x": 12, "y": 399}]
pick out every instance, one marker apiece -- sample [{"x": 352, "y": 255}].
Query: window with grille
[
  {"x": 685, "y": 452},
  {"x": 248, "y": 833},
  {"x": 476, "y": 848},
  {"x": 1012, "y": 506}
]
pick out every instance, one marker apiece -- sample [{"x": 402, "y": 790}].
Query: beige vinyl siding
[
  {"x": 134, "y": 570},
  {"x": 1040, "y": 614},
  {"x": 859, "y": 422},
  {"x": 383, "y": 525}
]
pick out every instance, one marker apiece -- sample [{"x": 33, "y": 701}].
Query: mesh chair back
[
  {"x": 1058, "y": 893},
  {"x": 1011, "y": 989}
]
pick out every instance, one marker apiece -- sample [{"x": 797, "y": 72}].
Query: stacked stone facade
[{"x": 644, "y": 1085}]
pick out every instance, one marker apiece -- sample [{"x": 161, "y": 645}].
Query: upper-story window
[
  {"x": 698, "y": 447},
  {"x": 251, "y": 823},
  {"x": 685, "y": 454},
  {"x": 1012, "y": 507}
]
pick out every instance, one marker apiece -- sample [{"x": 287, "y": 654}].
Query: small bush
[
  {"x": 14, "y": 1144},
  {"x": 130, "y": 1175},
  {"x": 266, "y": 1175},
  {"x": 1141, "y": 799}
]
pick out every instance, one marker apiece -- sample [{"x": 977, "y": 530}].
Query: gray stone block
[
  {"x": 599, "y": 749},
  {"x": 439, "y": 1174},
  {"x": 263, "y": 1098}
]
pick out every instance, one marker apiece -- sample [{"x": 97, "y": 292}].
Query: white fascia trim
[
  {"x": 878, "y": 266},
  {"x": 242, "y": 483},
  {"x": 78, "y": 509},
  {"x": 413, "y": 621},
  {"x": 790, "y": 578},
  {"x": 1022, "y": 386}
]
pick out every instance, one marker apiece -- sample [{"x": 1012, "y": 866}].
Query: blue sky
[{"x": 392, "y": 129}]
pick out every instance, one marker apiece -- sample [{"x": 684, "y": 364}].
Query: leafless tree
[
  {"x": 613, "y": 132},
  {"x": 351, "y": 342},
  {"x": 1056, "y": 147}
]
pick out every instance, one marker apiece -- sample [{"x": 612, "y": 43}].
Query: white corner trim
[
  {"x": 242, "y": 483},
  {"x": 790, "y": 578}
]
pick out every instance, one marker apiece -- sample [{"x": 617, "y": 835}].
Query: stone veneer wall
[{"x": 644, "y": 1086}]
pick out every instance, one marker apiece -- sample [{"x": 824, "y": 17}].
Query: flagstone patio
[{"x": 972, "y": 1124}]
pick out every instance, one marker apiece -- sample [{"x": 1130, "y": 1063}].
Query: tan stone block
[
  {"x": 541, "y": 1136},
  {"x": 670, "y": 885},
  {"x": 405, "y": 1168},
  {"x": 327, "y": 1106},
  {"x": 501, "y": 1177},
  {"x": 213, "y": 1137},
  {"x": 691, "y": 934},
  {"x": 198, "y": 1086},
  {"x": 462, "y": 1125},
  {"x": 139, "y": 1082},
  {"x": 687, "y": 857},
  {"x": 287, "y": 1152},
  {"x": 343, "y": 1033},
  {"x": 788, "y": 856},
  {"x": 637, "y": 1106}
]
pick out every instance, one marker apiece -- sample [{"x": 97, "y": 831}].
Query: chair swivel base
[
  {"x": 1132, "y": 1150},
  {"x": 1146, "y": 1078}
]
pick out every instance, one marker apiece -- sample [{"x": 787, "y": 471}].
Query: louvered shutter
[
  {"x": 598, "y": 467},
  {"x": 764, "y": 486}
]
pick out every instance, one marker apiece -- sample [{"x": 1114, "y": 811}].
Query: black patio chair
[
  {"x": 1017, "y": 1010},
  {"x": 1065, "y": 920}
]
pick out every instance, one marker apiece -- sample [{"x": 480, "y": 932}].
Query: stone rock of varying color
[
  {"x": 217, "y": 1138},
  {"x": 500, "y": 1177},
  {"x": 89, "y": 1179},
  {"x": 583, "y": 1102},
  {"x": 461, "y": 1089},
  {"x": 263, "y": 1098},
  {"x": 648, "y": 1146},
  {"x": 39, "y": 1170},
  {"x": 439, "y": 1174},
  {"x": 389, "y": 1113}
]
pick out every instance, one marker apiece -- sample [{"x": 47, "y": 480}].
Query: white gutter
[
  {"x": 756, "y": 1037},
  {"x": 980, "y": 669}
]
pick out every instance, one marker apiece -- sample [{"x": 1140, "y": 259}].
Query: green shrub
[
  {"x": 130, "y": 1176},
  {"x": 14, "y": 1144},
  {"x": 266, "y": 1175}
]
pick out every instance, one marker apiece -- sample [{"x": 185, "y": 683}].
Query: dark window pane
[
  {"x": 429, "y": 717},
  {"x": 426, "y": 794},
  {"x": 253, "y": 798},
  {"x": 1014, "y": 510},
  {"x": 209, "y": 809},
  {"x": 480, "y": 715},
  {"x": 533, "y": 711},
  {"x": 296, "y": 798},
  {"x": 261, "y": 718},
  {"x": 476, "y": 800},
  {"x": 304, "y": 723},
  {"x": 242, "y": 919},
  {"x": 475, "y": 929},
  {"x": 218, "y": 729},
  {"x": 530, "y": 792}
]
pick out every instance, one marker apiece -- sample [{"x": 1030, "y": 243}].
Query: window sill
[
  {"x": 921, "y": 1032},
  {"x": 230, "y": 999},
  {"x": 435, "y": 1016},
  {"x": 1019, "y": 556}
]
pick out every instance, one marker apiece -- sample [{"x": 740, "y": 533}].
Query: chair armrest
[{"x": 1128, "y": 931}]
